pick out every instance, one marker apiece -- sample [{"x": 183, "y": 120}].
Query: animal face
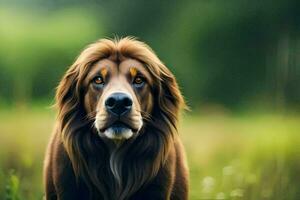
[
  {"x": 118, "y": 94},
  {"x": 119, "y": 87}
]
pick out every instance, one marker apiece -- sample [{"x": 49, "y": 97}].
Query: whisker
[
  {"x": 94, "y": 125},
  {"x": 142, "y": 112},
  {"x": 146, "y": 116}
]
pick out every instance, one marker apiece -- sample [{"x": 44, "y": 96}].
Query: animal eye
[
  {"x": 138, "y": 81},
  {"x": 98, "y": 80}
]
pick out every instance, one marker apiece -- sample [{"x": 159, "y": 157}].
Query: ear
[
  {"x": 70, "y": 114},
  {"x": 67, "y": 95},
  {"x": 170, "y": 99}
]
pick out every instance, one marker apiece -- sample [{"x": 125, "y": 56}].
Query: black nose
[{"x": 118, "y": 103}]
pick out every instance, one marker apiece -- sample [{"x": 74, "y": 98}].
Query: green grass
[{"x": 249, "y": 156}]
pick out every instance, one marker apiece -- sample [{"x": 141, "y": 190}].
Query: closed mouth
[{"x": 118, "y": 127}]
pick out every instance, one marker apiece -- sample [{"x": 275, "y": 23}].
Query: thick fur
[{"x": 80, "y": 165}]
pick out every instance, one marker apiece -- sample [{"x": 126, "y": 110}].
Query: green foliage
[
  {"x": 37, "y": 47},
  {"x": 234, "y": 53},
  {"x": 12, "y": 187}
]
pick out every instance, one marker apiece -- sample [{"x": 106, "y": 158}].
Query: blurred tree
[
  {"x": 37, "y": 47},
  {"x": 232, "y": 53}
]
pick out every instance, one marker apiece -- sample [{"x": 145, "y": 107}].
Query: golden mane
[{"x": 147, "y": 153}]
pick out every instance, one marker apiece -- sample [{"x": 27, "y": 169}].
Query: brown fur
[{"x": 81, "y": 165}]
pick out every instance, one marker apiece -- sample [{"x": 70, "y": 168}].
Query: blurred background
[{"x": 237, "y": 62}]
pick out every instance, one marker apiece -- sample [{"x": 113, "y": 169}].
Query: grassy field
[{"x": 247, "y": 156}]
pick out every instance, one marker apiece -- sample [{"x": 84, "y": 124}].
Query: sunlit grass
[
  {"x": 255, "y": 156},
  {"x": 243, "y": 157},
  {"x": 23, "y": 139}
]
